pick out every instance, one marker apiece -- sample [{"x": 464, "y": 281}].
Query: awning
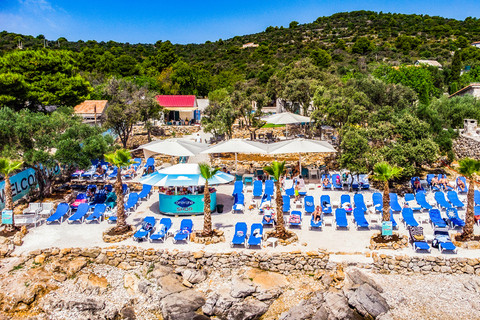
[{"x": 185, "y": 109}]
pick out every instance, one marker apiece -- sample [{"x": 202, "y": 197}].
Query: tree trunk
[
  {"x": 386, "y": 202},
  {"x": 279, "y": 200},
  {"x": 121, "y": 218},
  {"x": 9, "y": 202},
  {"x": 470, "y": 218},
  {"x": 43, "y": 188},
  {"x": 207, "y": 216}
]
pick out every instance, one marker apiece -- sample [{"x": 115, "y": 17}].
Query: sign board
[
  {"x": 185, "y": 204},
  {"x": 7, "y": 216},
  {"x": 387, "y": 228}
]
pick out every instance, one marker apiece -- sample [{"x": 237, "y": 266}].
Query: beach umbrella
[
  {"x": 286, "y": 118},
  {"x": 299, "y": 146},
  {"x": 172, "y": 147},
  {"x": 237, "y": 146},
  {"x": 183, "y": 175}
]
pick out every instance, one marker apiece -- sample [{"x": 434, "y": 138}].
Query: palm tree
[
  {"x": 468, "y": 168},
  {"x": 7, "y": 167},
  {"x": 119, "y": 158},
  {"x": 207, "y": 173},
  {"x": 385, "y": 172},
  {"x": 276, "y": 170}
]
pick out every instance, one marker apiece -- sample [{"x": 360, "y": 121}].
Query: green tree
[
  {"x": 277, "y": 170},
  {"x": 321, "y": 58},
  {"x": 207, "y": 173},
  {"x": 462, "y": 42},
  {"x": 469, "y": 168},
  {"x": 127, "y": 65},
  {"x": 293, "y": 24},
  {"x": 220, "y": 115},
  {"x": 120, "y": 158},
  {"x": 362, "y": 46},
  {"x": 385, "y": 172},
  {"x": 7, "y": 167}
]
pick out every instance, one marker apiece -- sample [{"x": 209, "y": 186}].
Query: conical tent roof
[
  {"x": 286, "y": 118},
  {"x": 299, "y": 146},
  {"x": 172, "y": 147},
  {"x": 237, "y": 146}
]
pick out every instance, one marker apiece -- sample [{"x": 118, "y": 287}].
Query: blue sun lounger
[
  {"x": 269, "y": 187},
  {"x": 97, "y": 213},
  {"x": 334, "y": 181},
  {"x": 408, "y": 218},
  {"x": 394, "y": 223},
  {"x": 409, "y": 197},
  {"x": 341, "y": 218},
  {"x": 394, "y": 205},
  {"x": 418, "y": 239},
  {"x": 429, "y": 180},
  {"x": 237, "y": 187},
  {"x": 239, "y": 203},
  {"x": 412, "y": 183},
  {"x": 476, "y": 197},
  {"x": 309, "y": 203},
  {"x": 447, "y": 188},
  {"x": 441, "y": 201},
  {"x": 436, "y": 218},
  {"x": 293, "y": 215},
  {"x": 145, "y": 193},
  {"x": 359, "y": 218},
  {"x": 359, "y": 202},
  {"x": 256, "y": 235},
  {"x": 82, "y": 211},
  {"x": 161, "y": 231},
  {"x": 240, "y": 235},
  {"x": 145, "y": 229},
  {"x": 325, "y": 203},
  {"x": 286, "y": 204},
  {"x": 363, "y": 180},
  {"x": 186, "y": 228},
  {"x": 422, "y": 201},
  {"x": 442, "y": 239},
  {"x": 329, "y": 185},
  {"x": 137, "y": 162},
  {"x": 62, "y": 209},
  {"x": 316, "y": 225},
  {"x": 150, "y": 162},
  {"x": 464, "y": 183},
  {"x": 265, "y": 198},
  {"x": 454, "y": 219},
  {"x": 114, "y": 173},
  {"x": 377, "y": 201},
  {"x": 257, "y": 188},
  {"x": 345, "y": 198},
  {"x": 453, "y": 198},
  {"x": 132, "y": 201}
]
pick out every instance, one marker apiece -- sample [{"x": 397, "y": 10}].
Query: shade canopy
[
  {"x": 237, "y": 146},
  {"x": 286, "y": 118},
  {"x": 172, "y": 147},
  {"x": 299, "y": 146},
  {"x": 183, "y": 175}
]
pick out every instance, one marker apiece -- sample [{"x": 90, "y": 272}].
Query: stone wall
[
  {"x": 466, "y": 146},
  {"x": 312, "y": 262}
]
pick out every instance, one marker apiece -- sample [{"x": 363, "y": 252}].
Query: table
[{"x": 273, "y": 241}]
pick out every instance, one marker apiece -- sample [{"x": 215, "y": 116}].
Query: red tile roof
[
  {"x": 89, "y": 106},
  {"x": 176, "y": 101}
]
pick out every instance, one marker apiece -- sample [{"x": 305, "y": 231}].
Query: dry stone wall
[{"x": 466, "y": 146}]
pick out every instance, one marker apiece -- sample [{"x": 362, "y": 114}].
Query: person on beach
[
  {"x": 297, "y": 192},
  {"x": 417, "y": 185},
  {"x": 461, "y": 185},
  {"x": 269, "y": 214},
  {"x": 129, "y": 171},
  {"x": 317, "y": 214},
  {"x": 434, "y": 182},
  {"x": 326, "y": 182}
]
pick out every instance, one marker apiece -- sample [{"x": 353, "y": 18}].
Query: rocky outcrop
[{"x": 368, "y": 301}]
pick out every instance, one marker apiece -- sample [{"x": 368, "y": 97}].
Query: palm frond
[
  {"x": 468, "y": 167},
  {"x": 8, "y": 166}
]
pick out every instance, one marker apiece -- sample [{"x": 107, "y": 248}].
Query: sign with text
[
  {"x": 7, "y": 216},
  {"x": 387, "y": 228}
]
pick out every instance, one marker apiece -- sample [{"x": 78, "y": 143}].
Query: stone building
[{"x": 472, "y": 89}]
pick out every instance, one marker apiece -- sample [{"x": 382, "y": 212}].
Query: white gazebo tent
[
  {"x": 299, "y": 146},
  {"x": 172, "y": 147},
  {"x": 237, "y": 146},
  {"x": 286, "y": 118}
]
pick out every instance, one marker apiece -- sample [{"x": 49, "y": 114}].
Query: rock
[
  {"x": 194, "y": 276},
  {"x": 75, "y": 265},
  {"x": 92, "y": 281},
  {"x": 247, "y": 310},
  {"x": 327, "y": 278},
  {"x": 39, "y": 259},
  {"x": 130, "y": 282},
  {"x": 224, "y": 302},
  {"x": 305, "y": 309},
  {"x": 241, "y": 289},
  {"x": 321, "y": 314},
  {"x": 182, "y": 302},
  {"x": 87, "y": 304},
  {"x": 170, "y": 284},
  {"x": 337, "y": 307},
  {"x": 359, "y": 277},
  {"x": 210, "y": 304},
  {"x": 187, "y": 284},
  {"x": 60, "y": 277},
  {"x": 368, "y": 301},
  {"x": 160, "y": 271},
  {"x": 268, "y": 294},
  {"x": 91, "y": 253},
  {"x": 101, "y": 259},
  {"x": 128, "y": 313}
]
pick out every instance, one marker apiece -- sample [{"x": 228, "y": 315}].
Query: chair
[
  {"x": 239, "y": 203},
  {"x": 452, "y": 196},
  {"x": 114, "y": 173},
  {"x": 27, "y": 218},
  {"x": 256, "y": 235},
  {"x": 442, "y": 240},
  {"x": 286, "y": 204},
  {"x": 309, "y": 204},
  {"x": 359, "y": 202},
  {"x": 33, "y": 208},
  {"x": 317, "y": 225},
  {"x": 454, "y": 219},
  {"x": 62, "y": 209},
  {"x": 145, "y": 229},
  {"x": 355, "y": 183},
  {"x": 412, "y": 203},
  {"x": 289, "y": 189},
  {"x": 240, "y": 235},
  {"x": 132, "y": 201},
  {"x": 237, "y": 187},
  {"x": 336, "y": 185},
  {"x": 418, "y": 239},
  {"x": 363, "y": 180},
  {"x": 150, "y": 162},
  {"x": 89, "y": 173},
  {"x": 464, "y": 183},
  {"x": 295, "y": 219},
  {"x": 145, "y": 193},
  {"x": 186, "y": 228},
  {"x": 377, "y": 201},
  {"x": 476, "y": 197},
  {"x": 341, "y": 218},
  {"x": 160, "y": 232},
  {"x": 77, "y": 174},
  {"x": 394, "y": 205},
  {"x": 269, "y": 187},
  {"x": 325, "y": 203},
  {"x": 429, "y": 181},
  {"x": 344, "y": 200},
  {"x": 412, "y": 183},
  {"x": 82, "y": 211},
  {"x": 422, "y": 201},
  {"x": 329, "y": 185},
  {"x": 97, "y": 214},
  {"x": 441, "y": 201},
  {"x": 81, "y": 198},
  {"x": 47, "y": 209},
  {"x": 448, "y": 188},
  {"x": 313, "y": 173},
  {"x": 436, "y": 218},
  {"x": 137, "y": 162},
  {"x": 257, "y": 188},
  {"x": 359, "y": 218},
  {"x": 408, "y": 218}
]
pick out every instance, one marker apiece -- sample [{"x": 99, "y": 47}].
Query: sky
[{"x": 183, "y": 22}]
